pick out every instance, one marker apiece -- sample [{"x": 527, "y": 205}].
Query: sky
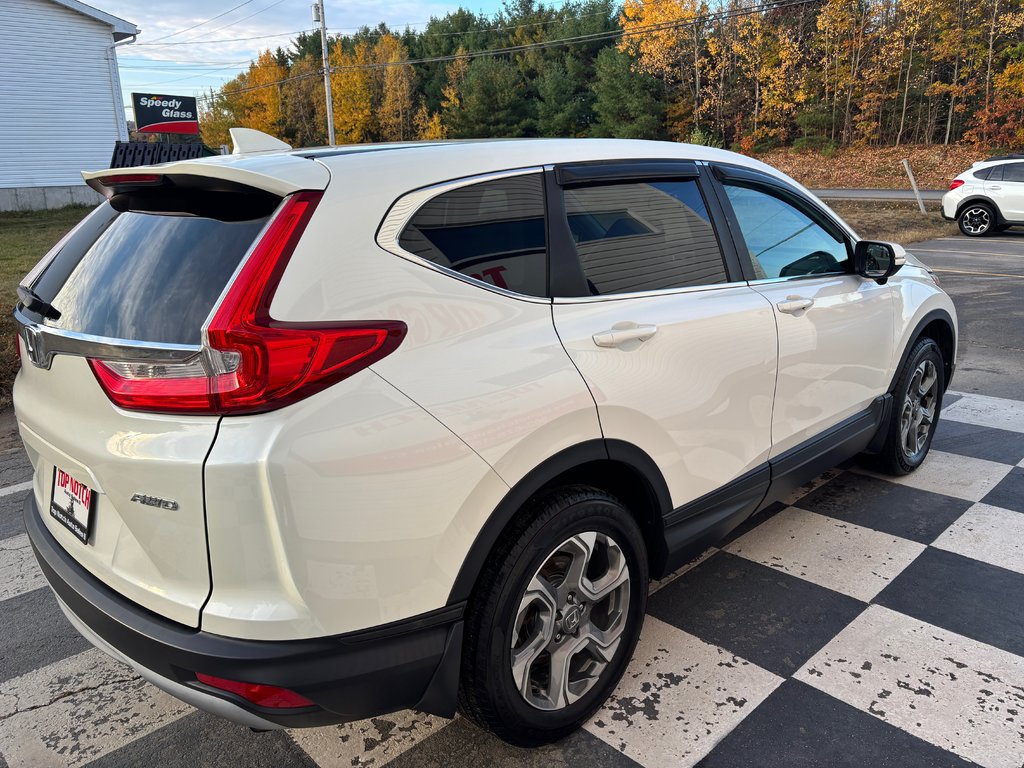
[{"x": 216, "y": 51}]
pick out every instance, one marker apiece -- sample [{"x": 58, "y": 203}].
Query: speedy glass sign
[{"x": 157, "y": 113}]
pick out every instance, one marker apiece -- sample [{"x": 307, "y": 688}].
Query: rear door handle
[
  {"x": 994, "y": 186},
  {"x": 794, "y": 304},
  {"x": 616, "y": 337}
]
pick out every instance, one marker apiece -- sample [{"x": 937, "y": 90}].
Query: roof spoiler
[{"x": 258, "y": 161}]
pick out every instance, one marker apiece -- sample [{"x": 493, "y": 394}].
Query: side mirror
[{"x": 876, "y": 260}]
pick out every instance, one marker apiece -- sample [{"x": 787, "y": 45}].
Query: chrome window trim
[
  {"x": 650, "y": 294},
  {"x": 790, "y": 278},
  {"x": 401, "y": 212},
  {"x": 42, "y": 342}
]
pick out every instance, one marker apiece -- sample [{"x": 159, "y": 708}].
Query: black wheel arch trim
[
  {"x": 924, "y": 322},
  {"x": 979, "y": 199},
  {"x": 542, "y": 475}
]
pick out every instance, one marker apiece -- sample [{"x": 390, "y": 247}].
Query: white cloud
[{"x": 196, "y": 67}]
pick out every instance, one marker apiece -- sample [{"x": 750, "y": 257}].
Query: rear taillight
[
  {"x": 956, "y": 184},
  {"x": 253, "y": 363},
  {"x": 269, "y": 696}
]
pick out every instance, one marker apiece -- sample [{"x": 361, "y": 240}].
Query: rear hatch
[{"x": 125, "y": 297}]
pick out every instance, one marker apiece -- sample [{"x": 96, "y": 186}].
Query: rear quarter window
[{"x": 492, "y": 231}]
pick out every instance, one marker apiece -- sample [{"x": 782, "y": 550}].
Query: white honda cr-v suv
[{"x": 323, "y": 434}]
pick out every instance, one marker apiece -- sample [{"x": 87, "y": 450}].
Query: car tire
[
  {"x": 977, "y": 220},
  {"x": 551, "y": 605},
  {"x": 916, "y": 403}
]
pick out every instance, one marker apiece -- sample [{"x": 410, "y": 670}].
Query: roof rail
[
  {"x": 248, "y": 141},
  {"x": 1011, "y": 156}
]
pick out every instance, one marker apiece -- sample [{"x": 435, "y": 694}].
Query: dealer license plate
[{"x": 72, "y": 504}]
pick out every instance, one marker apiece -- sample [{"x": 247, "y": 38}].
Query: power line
[
  {"x": 238, "y": 21},
  {"x": 229, "y": 40},
  {"x": 499, "y": 28},
  {"x": 201, "y": 23},
  {"x": 172, "y": 62},
  {"x": 183, "y": 67},
  {"x": 541, "y": 45},
  {"x": 188, "y": 77}
]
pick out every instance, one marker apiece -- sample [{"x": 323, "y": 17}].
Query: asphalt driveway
[{"x": 985, "y": 277}]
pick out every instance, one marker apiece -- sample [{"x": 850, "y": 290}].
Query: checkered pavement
[{"x": 866, "y": 621}]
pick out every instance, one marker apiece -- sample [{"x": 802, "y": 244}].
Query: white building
[{"x": 60, "y": 100}]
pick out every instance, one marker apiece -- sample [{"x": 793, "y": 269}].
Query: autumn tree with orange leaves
[{"x": 737, "y": 73}]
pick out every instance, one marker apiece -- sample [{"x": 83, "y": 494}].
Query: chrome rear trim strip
[{"x": 42, "y": 342}]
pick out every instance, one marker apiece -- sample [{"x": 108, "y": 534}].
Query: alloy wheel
[
  {"x": 919, "y": 406},
  {"x": 570, "y": 621},
  {"x": 977, "y": 220}
]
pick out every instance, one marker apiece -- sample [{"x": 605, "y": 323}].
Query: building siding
[{"x": 62, "y": 109}]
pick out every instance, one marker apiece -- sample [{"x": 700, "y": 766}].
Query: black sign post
[{"x": 165, "y": 114}]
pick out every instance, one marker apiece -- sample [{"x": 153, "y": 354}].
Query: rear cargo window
[{"x": 146, "y": 276}]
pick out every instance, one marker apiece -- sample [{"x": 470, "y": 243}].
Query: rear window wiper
[{"x": 34, "y": 303}]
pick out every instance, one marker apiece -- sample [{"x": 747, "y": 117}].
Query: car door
[
  {"x": 679, "y": 352},
  {"x": 835, "y": 328},
  {"x": 1005, "y": 185}
]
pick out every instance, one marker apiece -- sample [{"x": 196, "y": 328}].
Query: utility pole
[{"x": 318, "y": 16}]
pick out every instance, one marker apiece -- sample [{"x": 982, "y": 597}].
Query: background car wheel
[
  {"x": 917, "y": 400},
  {"x": 555, "y": 617},
  {"x": 977, "y": 219}
]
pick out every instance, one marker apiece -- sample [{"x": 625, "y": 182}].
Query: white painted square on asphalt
[
  {"x": 990, "y": 534},
  {"x": 985, "y": 411},
  {"x": 950, "y": 474},
  {"x": 19, "y": 572},
  {"x": 78, "y": 709},
  {"x": 954, "y": 692},
  {"x": 857, "y": 561},
  {"x": 679, "y": 697}
]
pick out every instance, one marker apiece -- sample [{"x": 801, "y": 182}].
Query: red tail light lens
[
  {"x": 956, "y": 184},
  {"x": 256, "y": 363},
  {"x": 269, "y": 696}
]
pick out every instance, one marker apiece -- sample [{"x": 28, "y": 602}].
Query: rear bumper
[{"x": 412, "y": 664}]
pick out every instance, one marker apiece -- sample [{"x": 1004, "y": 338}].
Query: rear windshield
[{"x": 144, "y": 276}]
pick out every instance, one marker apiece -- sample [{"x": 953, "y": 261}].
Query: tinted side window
[
  {"x": 1013, "y": 172},
  {"x": 492, "y": 231},
  {"x": 996, "y": 173},
  {"x": 982, "y": 174},
  {"x": 781, "y": 239},
  {"x": 643, "y": 237}
]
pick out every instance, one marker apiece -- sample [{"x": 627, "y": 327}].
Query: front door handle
[
  {"x": 616, "y": 337},
  {"x": 794, "y": 304}
]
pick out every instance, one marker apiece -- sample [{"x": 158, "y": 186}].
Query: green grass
[{"x": 25, "y": 237}]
